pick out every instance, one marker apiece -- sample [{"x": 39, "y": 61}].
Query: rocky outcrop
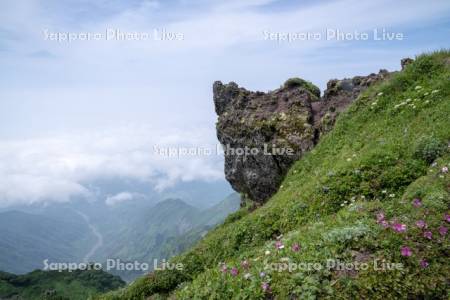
[
  {"x": 338, "y": 96},
  {"x": 405, "y": 61},
  {"x": 263, "y": 134}
]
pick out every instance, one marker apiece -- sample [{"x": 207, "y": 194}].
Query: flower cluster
[
  {"x": 421, "y": 224},
  {"x": 394, "y": 225},
  {"x": 245, "y": 267},
  {"x": 421, "y": 93}
]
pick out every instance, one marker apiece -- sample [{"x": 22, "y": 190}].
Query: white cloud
[
  {"x": 120, "y": 198},
  {"x": 30, "y": 189},
  {"x": 61, "y": 167}
]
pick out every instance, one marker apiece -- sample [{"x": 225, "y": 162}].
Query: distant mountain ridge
[
  {"x": 28, "y": 239},
  {"x": 166, "y": 229},
  {"x": 131, "y": 232}
]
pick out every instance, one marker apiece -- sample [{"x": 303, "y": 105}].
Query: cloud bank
[{"x": 62, "y": 167}]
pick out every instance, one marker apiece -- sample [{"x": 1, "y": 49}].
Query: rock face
[
  {"x": 263, "y": 134},
  {"x": 257, "y": 123},
  {"x": 405, "y": 61},
  {"x": 338, "y": 96}
]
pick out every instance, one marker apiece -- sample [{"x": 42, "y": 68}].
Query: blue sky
[{"x": 77, "y": 108}]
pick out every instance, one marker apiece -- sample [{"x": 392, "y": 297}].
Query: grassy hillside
[
  {"x": 374, "y": 189},
  {"x": 54, "y": 285}
]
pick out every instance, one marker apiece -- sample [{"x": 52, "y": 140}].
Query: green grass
[
  {"x": 54, "y": 285},
  {"x": 298, "y": 82},
  {"x": 373, "y": 160}
]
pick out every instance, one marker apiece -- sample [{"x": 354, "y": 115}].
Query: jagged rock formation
[
  {"x": 257, "y": 122},
  {"x": 338, "y": 96},
  {"x": 263, "y": 134}
]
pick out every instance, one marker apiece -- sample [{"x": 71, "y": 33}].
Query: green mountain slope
[
  {"x": 26, "y": 240},
  {"x": 205, "y": 221},
  {"x": 220, "y": 211},
  {"x": 148, "y": 235},
  {"x": 375, "y": 189},
  {"x": 57, "y": 285},
  {"x": 162, "y": 231},
  {"x": 141, "y": 237}
]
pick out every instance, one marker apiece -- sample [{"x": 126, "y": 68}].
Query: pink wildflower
[
  {"x": 447, "y": 217},
  {"x": 399, "y": 227},
  {"x": 380, "y": 217},
  {"x": 421, "y": 224},
  {"x": 405, "y": 251},
  {"x": 265, "y": 287},
  {"x": 424, "y": 264},
  {"x": 234, "y": 271},
  {"x": 444, "y": 170},
  {"x": 428, "y": 235},
  {"x": 443, "y": 230},
  {"x": 385, "y": 224},
  {"x": 279, "y": 245},
  {"x": 417, "y": 202},
  {"x": 224, "y": 268},
  {"x": 296, "y": 247}
]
